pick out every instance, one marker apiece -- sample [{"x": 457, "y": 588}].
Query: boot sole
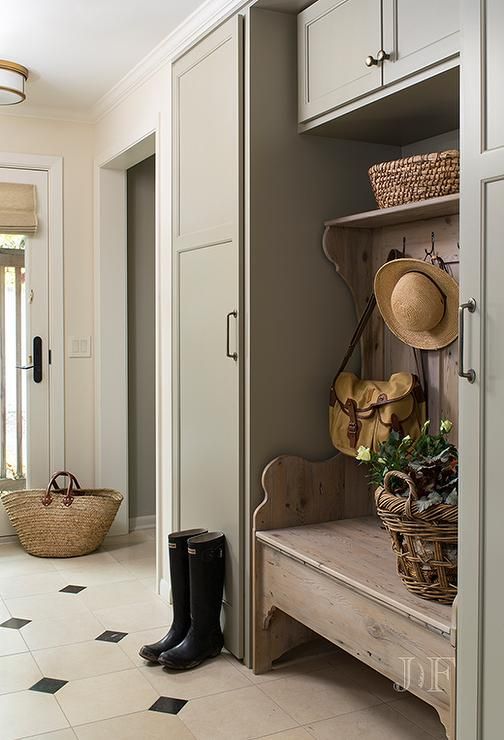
[{"x": 188, "y": 666}]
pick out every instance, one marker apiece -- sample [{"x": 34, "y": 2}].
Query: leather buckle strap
[{"x": 354, "y": 425}]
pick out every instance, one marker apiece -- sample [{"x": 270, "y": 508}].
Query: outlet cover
[{"x": 79, "y": 346}]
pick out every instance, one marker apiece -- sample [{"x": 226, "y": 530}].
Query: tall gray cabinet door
[
  {"x": 480, "y": 637},
  {"x": 334, "y": 39},
  {"x": 207, "y": 194},
  {"x": 418, "y": 35}
]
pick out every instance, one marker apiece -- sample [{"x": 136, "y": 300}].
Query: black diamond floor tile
[
  {"x": 109, "y": 636},
  {"x": 168, "y": 705},
  {"x": 72, "y": 589},
  {"x": 48, "y": 685},
  {"x": 15, "y": 624}
]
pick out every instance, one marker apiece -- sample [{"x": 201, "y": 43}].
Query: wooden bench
[{"x": 317, "y": 571}]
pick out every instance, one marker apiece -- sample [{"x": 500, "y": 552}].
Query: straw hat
[{"x": 418, "y": 302}]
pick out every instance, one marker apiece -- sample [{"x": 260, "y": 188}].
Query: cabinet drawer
[
  {"x": 334, "y": 39},
  {"x": 418, "y": 35}
]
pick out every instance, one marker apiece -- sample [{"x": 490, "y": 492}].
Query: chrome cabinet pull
[
  {"x": 470, "y": 374},
  {"x": 231, "y": 355},
  {"x": 382, "y": 56},
  {"x": 370, "y": 61}
]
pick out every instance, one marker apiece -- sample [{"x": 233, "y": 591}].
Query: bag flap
[{"x": 372, "y": 394}]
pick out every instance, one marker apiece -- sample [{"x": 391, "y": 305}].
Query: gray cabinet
[
  {"x": 348, "y": 49},
  {"x": 418, "y": 35},
  {"x": 334, "y": 39},
  {"x": 207, "y": 441}
]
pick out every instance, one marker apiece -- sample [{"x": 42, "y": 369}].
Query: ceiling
[{"x": 77, "y": 50}]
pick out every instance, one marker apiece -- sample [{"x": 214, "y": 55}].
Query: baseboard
[{"x": 142, "y": 522}]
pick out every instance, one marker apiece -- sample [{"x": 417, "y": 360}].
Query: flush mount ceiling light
[{"x": 12, "y": 82}]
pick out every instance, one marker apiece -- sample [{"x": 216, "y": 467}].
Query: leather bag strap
[{"x": 53, "y": 487}]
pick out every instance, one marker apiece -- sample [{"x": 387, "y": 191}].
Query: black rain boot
[
  {"x": 179, "y": 574},
  {"x": 206, "y": 575}
]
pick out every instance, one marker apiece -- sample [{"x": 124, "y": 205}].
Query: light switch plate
[{"x": 79, "y": 346}]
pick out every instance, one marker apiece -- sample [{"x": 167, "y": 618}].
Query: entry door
[
  {"x": 24, "y": 315},
  {"x": 207, "y": 192},
  {"x": 480, "y": 633}
]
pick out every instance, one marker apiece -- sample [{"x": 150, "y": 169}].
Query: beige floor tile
[
  {"x": 141, "y": 726},
  {"x": 298, "y": 733},
  {"x": 30, "y": 585},
  {"x": 377, "y": 723},
  {"x": 366, "y": 677},
  {"x": 213, "y": 677},
  {"x": 4, "y": 612},
  {"x": 47, "y": 606},
  {"x": 150, "y": 583},
  {"x": 115, "y": 595},
  {"x": 318, "y": 695},
  {"x": 94, "y": 559},
  {"x": 235, "y": 715},
  {"x": 11, "y": 642},
  {"x": 11, "y": 550},
  {"x": 421, "y": 714},
  {"x": 102, "y": 697},
  {"x": 96, "y": 574},
  {"x": 23, "y": 566},
  {"x": 28, "y": 712},
  {"x": 141, "y": 568},
  {"x": 83, "y": 660},
  {"x": 46, "y": 633},
  {"x": 58, "y": 735},
  {"x": 18, "y": 672},
  {"x": 132, "y": 643},
  {"x": 134, "y": 551},
  {"x": 135, "y": 617}
]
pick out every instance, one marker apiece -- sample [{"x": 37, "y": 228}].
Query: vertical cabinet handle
[
  {"x": 231, "y": 355},
  {"x": 470, "y": 374}
]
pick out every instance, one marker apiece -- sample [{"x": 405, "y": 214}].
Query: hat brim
[{"x": 446, "y": 331}]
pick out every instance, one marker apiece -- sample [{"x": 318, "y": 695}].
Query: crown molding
[
  {"x": 48, "y": 113},
  {"x": 200, "y": 22}
]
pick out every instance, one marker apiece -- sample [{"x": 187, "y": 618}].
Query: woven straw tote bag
[{"x": 59, "y": 523}]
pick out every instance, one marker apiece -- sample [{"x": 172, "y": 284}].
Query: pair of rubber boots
[{"x": 197, "y": 580}]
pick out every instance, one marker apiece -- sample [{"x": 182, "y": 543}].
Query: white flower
[
  {"x": 406, "y": 440},
  {"x": 446, "y": 426},
  {"x": 425, "y": 427},
  {"x": 363, "y": 454}
]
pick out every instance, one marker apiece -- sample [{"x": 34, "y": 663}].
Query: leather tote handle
[{"x": 53, "y": 486}]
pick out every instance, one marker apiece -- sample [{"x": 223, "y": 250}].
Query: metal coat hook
[
  {"x": 404, "y": 246},
  {"x": 431, "y": 253}
]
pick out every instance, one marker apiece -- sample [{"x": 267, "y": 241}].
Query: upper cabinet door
[
  {"x": 335, "y": 37},
  {"x": 418, "y": 35}
]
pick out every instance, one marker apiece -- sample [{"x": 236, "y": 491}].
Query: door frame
[
  {"x": 111, "y": 324},
  {"x": 54, "y": 168}
]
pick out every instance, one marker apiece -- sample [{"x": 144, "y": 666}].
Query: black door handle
[
  {"x": 231, "y": 355},
  {"x": 37, "y": 361}
]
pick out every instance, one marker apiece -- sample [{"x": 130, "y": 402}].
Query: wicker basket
[
  {"x": 415, "y": 178},
  {"x": 53, "y": 523},
  {"x": 424, "y": 542}
]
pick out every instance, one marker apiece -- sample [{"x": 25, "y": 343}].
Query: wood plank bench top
[{"x": 357, "y": 552}]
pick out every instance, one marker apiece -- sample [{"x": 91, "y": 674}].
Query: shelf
[{"x": 446, "y": 205}]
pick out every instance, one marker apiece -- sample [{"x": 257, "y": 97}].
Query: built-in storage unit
[
  {"x": 349, "y": 49},
  {"x": 252, "y": 359}
]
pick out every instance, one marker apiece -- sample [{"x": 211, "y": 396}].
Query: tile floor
[{"x": 69, "y": 667}]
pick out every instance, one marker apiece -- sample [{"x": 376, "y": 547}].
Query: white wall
[{"x": 73, "y": 142}]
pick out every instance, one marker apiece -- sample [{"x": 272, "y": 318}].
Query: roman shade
[{"x": 18, "y": 208}]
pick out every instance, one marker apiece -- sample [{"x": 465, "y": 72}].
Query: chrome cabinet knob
[
  {"x": 370, "y": 61},
  {"x": 382, "y": 55}
]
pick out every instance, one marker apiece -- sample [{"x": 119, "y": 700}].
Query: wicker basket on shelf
[
  {"x": 415, "y": 178},
  {"x": 424, "y": 542},
  {"x": 57, "y": 523}
]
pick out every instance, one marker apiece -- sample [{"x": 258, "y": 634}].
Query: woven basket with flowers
[{"x": 416, "y": 499}]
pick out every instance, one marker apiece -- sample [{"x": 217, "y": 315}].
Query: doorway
[
  {"x": 141, "y": 270},
  {"x": 31, "y": 395}
]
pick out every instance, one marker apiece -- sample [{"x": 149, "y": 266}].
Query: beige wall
[{"x": 73, "y": 142}]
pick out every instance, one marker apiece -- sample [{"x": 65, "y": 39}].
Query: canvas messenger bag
[{"x": 364, "y": 412}]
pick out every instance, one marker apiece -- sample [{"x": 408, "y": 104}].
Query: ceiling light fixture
[{"x": 12, "y": 82}]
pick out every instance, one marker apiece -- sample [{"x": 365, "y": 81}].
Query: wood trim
[{"x": 445, "y": 205}]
